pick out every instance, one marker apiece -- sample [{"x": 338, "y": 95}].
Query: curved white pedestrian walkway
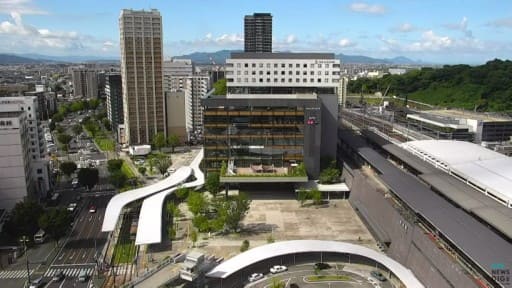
[{"x": 149, "y": 229}]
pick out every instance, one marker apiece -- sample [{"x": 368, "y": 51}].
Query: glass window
[
  {"x": 253, "y": 65},
  {"x": 268, "y": 65},
  {"x": 238, "y": 65},
  {"x": 246, "y": 65},
  {"x": 261, "y": 65},
  {"x": 275, "y": 65}
]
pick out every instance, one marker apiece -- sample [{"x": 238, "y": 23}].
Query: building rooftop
[
  {"x": 453, "y": 113},
  {"x": 282, "y": 55}
]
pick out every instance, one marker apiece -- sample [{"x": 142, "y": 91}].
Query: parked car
[
  {"x": 255, "y": 277},
  {"x": 277, "y": 269},
  {"x": 377, "y": 275},
  {"x": 37, "y": 283},
  {"x": 92, "y": 209},
  {"x": 72, "y": 207},
  {"x": 59, "y": 276},
  {"x": 293, "y": 285},
  {"x": 322, "y": 266}
]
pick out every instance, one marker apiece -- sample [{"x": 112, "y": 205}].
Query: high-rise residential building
[
  {"x": 85, "y": 82},
  {"x": 35, "y": 145},
  {"x": 114, "y": 95},
  {"x": 142, "y": 76},
  {"x": 258, "y": 32},
  {"x": 184, "y": 89},
  {"x": 280, "y": 113},
  {"x": 15, "y": 169}
]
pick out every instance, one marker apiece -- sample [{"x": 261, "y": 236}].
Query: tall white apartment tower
[{"x": 142, "y": 77}]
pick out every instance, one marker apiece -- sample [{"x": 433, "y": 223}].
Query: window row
[{"x": 283, "y": 65}]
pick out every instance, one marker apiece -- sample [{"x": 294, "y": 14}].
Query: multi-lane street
[{"x": 85, "y": 243}]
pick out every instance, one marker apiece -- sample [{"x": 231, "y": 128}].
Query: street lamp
[{"x": 24, "y": 240}]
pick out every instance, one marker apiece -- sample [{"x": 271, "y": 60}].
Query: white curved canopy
[
  {"x": 116, "y": 204},
  {"x": 264, "y": 252},
  {"x": 149, "y": 229}
]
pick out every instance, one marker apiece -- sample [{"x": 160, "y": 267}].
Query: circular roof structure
[{"x": 282, "y": 248}]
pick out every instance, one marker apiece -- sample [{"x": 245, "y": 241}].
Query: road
[{"x": 85, "y": 242}]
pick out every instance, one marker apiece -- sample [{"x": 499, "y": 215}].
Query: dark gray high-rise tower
[{"x": 258, "y": 32}]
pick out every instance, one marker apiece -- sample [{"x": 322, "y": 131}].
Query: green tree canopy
[
  {"x": 77, "y": 129},
  {"x": 213, "y": 183},
  {"x": 88, "y": 177},
  {"x": 173, "y": 140},
  {"x": 220, "y": 87},
  {"x": 56, "y": 222},
  {"x": 161, "y": 161},
  {"x": 114, "y": 165},
  {"x": 197, "y": 202},
  {"x": 64, "y": 138},
  {"x": 233, "y": 210},
  {"x": 67, "y": 168},
  {"x": 117, "y": 178},
  {"x": 159, "y": 141},
  {"x": 23, "y": 221}
]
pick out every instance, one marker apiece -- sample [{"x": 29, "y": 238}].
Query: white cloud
[
  {"x": 461, "y": 26},
  {"x": 362, "y": 7},
  {"x": 290, "y": 39},
  {"x": 19, "y": 6},
  {"x": 23, "y": 37},
  {"x": 344, "y": 43},
  {"x": 501, "y": 23},
  {"x": 404, "y": 28},
  {"x": 431, "y": 42},
  {"x": 228, "y": 39}
]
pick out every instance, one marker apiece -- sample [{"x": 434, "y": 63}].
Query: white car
[
  {"x": 255, "y": 277},
  {"x": 278, "y": 269}
]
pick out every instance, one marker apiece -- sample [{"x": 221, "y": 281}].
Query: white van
[{"x": 40, "y": 236}]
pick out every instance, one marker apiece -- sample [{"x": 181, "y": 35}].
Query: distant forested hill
[{"x": 487, "y": 87}]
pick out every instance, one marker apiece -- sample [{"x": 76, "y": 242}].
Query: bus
[{"x": 40, "y": 236}]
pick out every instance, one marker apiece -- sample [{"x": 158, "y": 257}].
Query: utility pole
[{"x": 24, "y": 240}]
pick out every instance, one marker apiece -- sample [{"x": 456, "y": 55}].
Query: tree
[
  {"x": 201, "y": 223},
  {"x": 142, "y": 170},
  {"x": 245, "y": 246},
  {"x": 173, "y": 140},
  {"x": 234, "y": 210},
  {"x": 193, "y": 237},
  {"x": 94, "y": 103},
  {"x": 92, "y": 127},
  {"x": 162, "y": 162},
  {"x": 159, "y": 140},
  {"x": 59, "y": 129},
  {"x": 77, "y": 129},
  {"x": 23, "y": 221},
  {"x": 67, "y": 168},
  {"x": 64, "y": 138},
  {"x": 171, "y": 232},
  {"x": 182, "y": 193},
  {"x": 117, "y": 178},
  {"x": 316, "y": 196},
  {"x": 172, "y": 210},
  {"x": 77, "y": 106},
  {"x": 220, "y": 87},
  {"x": 88, "y": 177},
  {"x": 302, "y": 196},
  {"x": 114, "y": 165},
  {"x": 329, "y": 175},
  {"x": 56, "y": 222},
  {"x": 57, "y": 117},
  {"x": 213, "y": 183},
  {"x": 106, "y": 124},
  {"x": 197, "y": 203}
]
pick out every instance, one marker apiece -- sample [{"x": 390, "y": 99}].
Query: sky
[{"x": 434, "y": 31}]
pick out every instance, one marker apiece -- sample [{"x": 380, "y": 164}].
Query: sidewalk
[{"x": 161, "y": 277}]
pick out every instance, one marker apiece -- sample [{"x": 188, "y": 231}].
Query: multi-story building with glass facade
[{"x": 277, "y": 120}]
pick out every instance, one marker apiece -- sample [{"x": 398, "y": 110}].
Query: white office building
[
  {"x": 265, "y": 73},
  {"x": 16, "y": 180},
  {"x": 37, "y": 154}
]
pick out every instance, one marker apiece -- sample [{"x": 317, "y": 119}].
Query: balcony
[{"x": 257, "y": 173}]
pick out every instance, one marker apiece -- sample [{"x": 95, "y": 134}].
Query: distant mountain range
[
  {"x": 219, "y": 57},
  {"x": 38, "y": 58}
]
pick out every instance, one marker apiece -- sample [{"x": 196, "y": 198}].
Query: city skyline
[{"x": 436, "y": 31}]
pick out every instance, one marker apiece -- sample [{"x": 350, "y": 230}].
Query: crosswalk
[
  {"x": 69, "y": 272},
  {"x": 14, "y": 274}
]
